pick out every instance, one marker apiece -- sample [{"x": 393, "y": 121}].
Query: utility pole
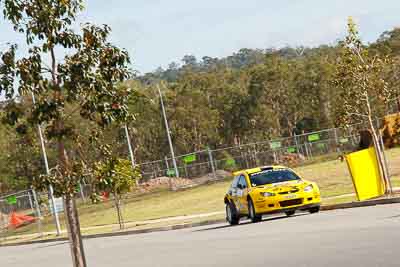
[
  {"x": 168, "y": 132},
  {"x": 132, "y": 157},
  {"x": 46, "y": 164}
]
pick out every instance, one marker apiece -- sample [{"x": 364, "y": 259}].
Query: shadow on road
[
  {"x": 248, "y": 222},
  {"x": 393, "y": 217}
]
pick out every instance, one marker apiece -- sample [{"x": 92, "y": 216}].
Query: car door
[
  {"x": 233, "y": 190},
  {"x": 242, "y": 192}
]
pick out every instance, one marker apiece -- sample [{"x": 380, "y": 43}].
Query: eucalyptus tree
[
  {"x": 362, "y": 88},
  {"x": 70, "y": 72}
]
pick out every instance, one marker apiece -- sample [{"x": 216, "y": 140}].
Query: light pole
[
  {"x": 46, "y": 164},
  {"x": 132, "y": 157},
  {"x": 168, "y": 132}
]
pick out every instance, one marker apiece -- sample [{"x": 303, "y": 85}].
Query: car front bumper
[{"x": 279, "y": 204}]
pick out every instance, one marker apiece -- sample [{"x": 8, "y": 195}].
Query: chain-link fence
[
  {"x": 19, "y": 209},
  {"x": 305, "y": 147},
  {"x": 291, "y": 151},
  {"x": 30, "y": 214}
]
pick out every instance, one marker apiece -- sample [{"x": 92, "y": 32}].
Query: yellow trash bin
[{"x": 364, "y": 170}]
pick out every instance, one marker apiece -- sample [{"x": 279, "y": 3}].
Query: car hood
[{"x": 291, "y": 186}]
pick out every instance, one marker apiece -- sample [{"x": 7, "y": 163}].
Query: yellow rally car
[{"x": 267, "y": 190}]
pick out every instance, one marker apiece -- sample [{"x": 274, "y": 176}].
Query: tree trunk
[
  {"x": 119, "y": 212},
  {"x": 379, "y": 156},
  {"x": 398, "y": 103},
  {"x": 71, "y": 213},
  {"x": 74, "y": 232},
  {"x": 379, "y": 153}
]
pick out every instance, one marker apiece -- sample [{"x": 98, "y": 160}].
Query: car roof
[{"x": 258, "y": 169}]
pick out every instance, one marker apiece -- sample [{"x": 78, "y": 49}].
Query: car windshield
[{"x": 272, "y": 177}]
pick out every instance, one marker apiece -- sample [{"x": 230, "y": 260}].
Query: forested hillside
[{"x": 250, "y": 96}]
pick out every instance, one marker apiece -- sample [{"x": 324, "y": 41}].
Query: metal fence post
[
  {"x": 35, "y": 199},
  {"x": 210, "y": 158},
  {"x": 310, "y": 154},
  {"x": 186, "y": 171},
  {"x": 255, "y": 155},
  {"x": 166, "y": 162},
  {"x": 30, "y": 201},
  {"x": 297, "y": 143},
  {"x": 306, "y": 150},
  {"x": 81, "y": 192},
  {"x": 336, "y": 140},
  {"x": 350, "y": 132},
  {"x": 38, "y": 212}
]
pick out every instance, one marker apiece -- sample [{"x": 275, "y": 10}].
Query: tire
[
  {"x": 314, "y": 210},
  {"x": 290, "y": 213},
  {"x": 231, "y": 214},
  {"x": 254, "y": 217}
]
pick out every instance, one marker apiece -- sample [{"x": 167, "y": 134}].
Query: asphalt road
[{"x": 354, "y": 237}]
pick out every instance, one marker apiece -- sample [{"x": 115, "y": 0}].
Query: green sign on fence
[
  {"x": 230, "y": 162},
  {"x": 276, "y": 144},
  {"x": 189, "y": 158},
  {"x": 291, "y": 149},
  {"x": 171, "y": 173},
  {"x": 313, "y": 137},
  {"x": 12, "y": 200}
]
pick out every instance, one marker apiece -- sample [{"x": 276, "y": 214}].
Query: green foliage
[
  {"x": 63, "y": 185},
  {"x": 212, "y": 104},
  {"x": 228, "y": 162},
  {"x": 115, "y": 176},
  {"x": 21, "y": 159},
  {"x": 360, "y": 81},
  {"x": 78, "y": 83}
]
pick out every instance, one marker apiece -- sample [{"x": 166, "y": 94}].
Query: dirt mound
[
  {"x": 160, "y": 182},
  {"x": 291, "y": 159},
  {"x": 180, "y": 183},
  {"x": 219, "y": 175}
]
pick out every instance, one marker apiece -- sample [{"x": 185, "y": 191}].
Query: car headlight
[
  {"x": 308, "y": 188},
  {"x": 267, "y": 194}
]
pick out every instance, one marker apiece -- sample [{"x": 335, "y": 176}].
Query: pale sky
[{"x": 157, "y": 32}]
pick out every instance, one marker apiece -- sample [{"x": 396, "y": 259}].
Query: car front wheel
[
  {"x": 231, "y": 214},
  {"x": 314, "y": 210},
  {"x": 254, "y": 217},
  {"x": 290, "y": 213}
]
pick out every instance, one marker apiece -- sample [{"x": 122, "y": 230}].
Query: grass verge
[{"x": 332, "y": 177}]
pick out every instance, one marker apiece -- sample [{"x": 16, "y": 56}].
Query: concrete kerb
[
  {"x": 374, "y": 202},
  {"x": 381, "y": 201},
  {"x": 122, "y": 233}
]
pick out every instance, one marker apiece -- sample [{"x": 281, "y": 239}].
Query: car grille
[
  {"x": 291, "y": 202},
  {"x": 287, "y": 192}
]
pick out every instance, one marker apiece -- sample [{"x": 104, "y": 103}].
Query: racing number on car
[
  {"x": 239, "y": 194},
  {"x": 242, "y": 194}
]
